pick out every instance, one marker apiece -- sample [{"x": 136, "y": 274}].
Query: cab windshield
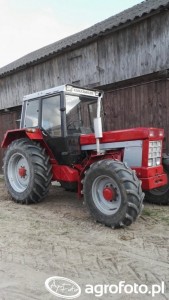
[{"x": 80, "y": 114}]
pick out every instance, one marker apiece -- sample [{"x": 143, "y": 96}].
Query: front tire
[
  {"x": 27, "y": 171},
  {"x": 113, "y": 193}
]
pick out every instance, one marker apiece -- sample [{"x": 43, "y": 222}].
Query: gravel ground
[{"x": 58, "y": 238}]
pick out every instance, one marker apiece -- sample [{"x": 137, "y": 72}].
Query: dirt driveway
[{"x": 59, "y": 238}]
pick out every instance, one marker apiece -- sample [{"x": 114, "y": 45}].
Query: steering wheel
[
  {"x": 44, "y": 131},
  {"x": 72, "y": 125}
]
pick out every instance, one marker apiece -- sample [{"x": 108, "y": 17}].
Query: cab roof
[{"x": 71, "y": 89}]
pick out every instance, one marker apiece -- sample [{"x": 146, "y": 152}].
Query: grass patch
[
  {"x": 160, "y": 215},
  {"x": 146, "y": 212},
  {"x": 165, "y": 219}
]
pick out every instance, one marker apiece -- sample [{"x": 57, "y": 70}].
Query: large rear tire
[
  {"x": 160, "y": 195},
  {"x": 113, "y": 193},
  {"x": 27, "y": 171}
]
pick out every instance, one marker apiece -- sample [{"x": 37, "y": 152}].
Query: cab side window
[{"x": 31, "y": 113}]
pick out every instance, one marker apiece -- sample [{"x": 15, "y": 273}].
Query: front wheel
[
  {"x": 27, "y": 171},
  {"x": 113, "y": 193}
]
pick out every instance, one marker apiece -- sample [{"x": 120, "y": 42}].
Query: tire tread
[
  {"x": 42, "y": 171},
  {"x": 131, "y": 184}
]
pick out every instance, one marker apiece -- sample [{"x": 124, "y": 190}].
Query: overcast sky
[{"x": 27, "y": 25}]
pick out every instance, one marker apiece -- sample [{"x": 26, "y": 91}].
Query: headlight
[
  {"x": 150, "y": 162},
  {"x": 158, "y": 161}
]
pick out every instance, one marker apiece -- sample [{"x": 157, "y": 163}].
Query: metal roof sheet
[{"x": 127, "y": 16}]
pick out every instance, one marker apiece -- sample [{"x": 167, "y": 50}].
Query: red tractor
[{"x": 61, "y": 138}]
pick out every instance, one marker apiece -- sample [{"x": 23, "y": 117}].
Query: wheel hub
[
  {"x": 22, "y": 172},
  {"x": 108, "y": 194},
  {"x": 18, "y": 172}
]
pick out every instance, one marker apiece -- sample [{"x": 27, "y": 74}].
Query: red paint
[
  {"x": 108, "y": 194},
  {"x": 12, "y": 135},
  {"x": 145, "y": 172},
  {"x": 65, "y": 173},
  {"x": 152, "y": 177},
  {"x": 145, "y": 153},
  {"x": 22, "y": 172},
  {"x": 154, "y": 182}
]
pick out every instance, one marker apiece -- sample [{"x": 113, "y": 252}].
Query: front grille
[{"x": 154, "y": 154}]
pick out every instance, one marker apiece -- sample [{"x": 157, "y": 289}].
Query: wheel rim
[
  {"x": 106, "y": 195},
  {"x": 18, "y": 172}
]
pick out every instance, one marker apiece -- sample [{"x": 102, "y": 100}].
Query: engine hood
[{"x": 132, "y": 134}]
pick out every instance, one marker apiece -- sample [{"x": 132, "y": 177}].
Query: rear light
[{"x": 154, "y": 153}]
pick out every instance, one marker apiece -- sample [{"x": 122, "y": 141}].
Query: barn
[{"x": 125, "y": 55}]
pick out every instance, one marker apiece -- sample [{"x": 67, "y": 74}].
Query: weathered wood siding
[
  {"x": 139, "y": 49},
  {"x": 8, "y": 120},
  {"x": 144, "y": 105}
]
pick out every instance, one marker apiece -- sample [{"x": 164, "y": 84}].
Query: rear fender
[
  {"x": 12, "y": 135},
  {"x": 30, "y": 133}
]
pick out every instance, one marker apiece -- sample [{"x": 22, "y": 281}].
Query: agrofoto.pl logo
[{"x": 65, "y": 288}]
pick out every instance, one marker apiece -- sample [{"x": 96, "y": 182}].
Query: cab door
[{"x": 53, "y": 122}]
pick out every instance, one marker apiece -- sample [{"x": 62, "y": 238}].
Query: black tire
[
  {"x": 127, "y": 204},
  {"x": 160, "y": 196},
  {"x": 27, "y": 171}
]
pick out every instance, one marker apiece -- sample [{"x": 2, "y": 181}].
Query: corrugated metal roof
[{"x": 127, "y": 16}]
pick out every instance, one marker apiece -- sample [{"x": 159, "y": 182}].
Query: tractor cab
[{"x": 63, "y": 114}]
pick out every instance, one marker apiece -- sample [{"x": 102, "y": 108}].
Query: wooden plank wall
[
  {"x": 139, "y": 49},
  {"x": 144, "y": 105},
  {"x": 8, "y": 120}
]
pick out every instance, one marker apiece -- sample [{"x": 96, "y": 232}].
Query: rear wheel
[
  {"x": 113, "y": 193},
  {"x": 27, "y": 171}
]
